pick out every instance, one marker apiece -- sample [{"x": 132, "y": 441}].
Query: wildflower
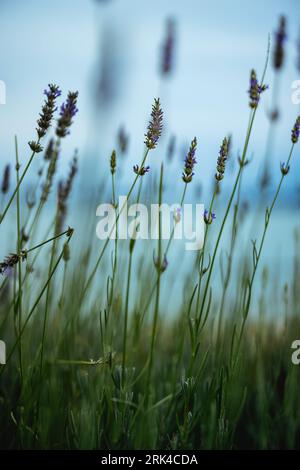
[
  {"x": 255, "y": 90},
  {"x": 296, "y": 130},
  {"x": 209, "y": 217},
  {"x": 35, "y": 146},
  {"x": 5, "y": 180},
  {"x": 113, "y": 162},
  {"x": 221, "y": 162},
  {"x": 67, "y": 112},
  {"x": 190, "y": 162},
  {"x": 284, "y": 168},
  {"x": 168, "y": 48},
  {"x": 177, "y": 215},
  {"x": 11, "y": 260},
  {"x": 280, "y": 38},
  {"x": 141, "y": 170},
  {"x": 123, "y": 140},
  {"x": 46, "y": 116},
  {"x": 155, "y": 125}
]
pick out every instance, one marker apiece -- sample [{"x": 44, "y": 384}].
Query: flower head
[
  {"x": 155, "y": 125},
  {"x": 11, "y": 260},
  {"x": 209, "y": 217},
  {"x": 35, "y": 146},
  {"x": 48, "y": 109},
  {"x": 221, "y": 162},
  {"x": 296, "y": 131},
  {"x": 190, "y": 162},
  {"x": 141, "y": 171},
  {"x": 284, "y": 168},
  {"x": 255, "y": 90},
  {"x": 67, "y": 112},
  {"x": 113, "y": 162}
]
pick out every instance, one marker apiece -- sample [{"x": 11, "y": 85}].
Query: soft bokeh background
[{"x": 110, "y": 51}]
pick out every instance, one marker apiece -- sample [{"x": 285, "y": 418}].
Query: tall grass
[{"x": 94, "y": 362}]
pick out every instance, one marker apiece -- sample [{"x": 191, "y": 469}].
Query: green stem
[
  {"x": 157, "y": 298},
  {"x": 19, "y": 247},
  {"x": 18, "y": 185},
  {"x": 90, "y": 278},
  {"x": 126, "y": 318},
  {"x": 37, "y": 301}
]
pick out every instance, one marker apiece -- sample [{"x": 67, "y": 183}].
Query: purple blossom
[
  {"x": 67, "y": 111},
  {"x": 209, "y": 217},
  {"x": 284, "y": 168},
  {"x": 222, "y": 159},
  {"x": 155, "y": 125},
  {"x": 52, "y": 92},
  {"x": 141, "y": 171},
  {"x": 296, "y": 131},
  {"x": 255, "y": 90},
  {"x": 48, "y": 109}
]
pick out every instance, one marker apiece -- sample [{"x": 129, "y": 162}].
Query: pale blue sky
[{"x": 218, "y": 43}]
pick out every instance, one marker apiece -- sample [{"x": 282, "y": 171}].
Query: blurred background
[{"x": 111, "y": 51}]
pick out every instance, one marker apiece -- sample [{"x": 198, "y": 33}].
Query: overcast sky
[{"x": 218, "y": 42}]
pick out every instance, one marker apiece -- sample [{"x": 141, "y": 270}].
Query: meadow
[{"x": 95, "y": 359}]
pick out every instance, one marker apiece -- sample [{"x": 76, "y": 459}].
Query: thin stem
[
  {"x": 18, "y": 185},
  {"x": 126, "y": 318},
  {"x": 259, "y": 252},
  {"x": 157, "y": 298},
  {"x": 37, "y": 301},
  {"x": 90, "y": 278},
  {"x": 19, "y": 243}
]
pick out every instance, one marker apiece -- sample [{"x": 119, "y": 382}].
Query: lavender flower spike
[
  {"x": 190, "y": 162},
  {"x": 255, "y": 90},
  {"x": 48, "y": 109},
  {"x": 67, "y": 112},
  {"x": 221, "y": 162},
  {"x": 296, "y": 131},
  {"x": 155, "y": 125}
]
